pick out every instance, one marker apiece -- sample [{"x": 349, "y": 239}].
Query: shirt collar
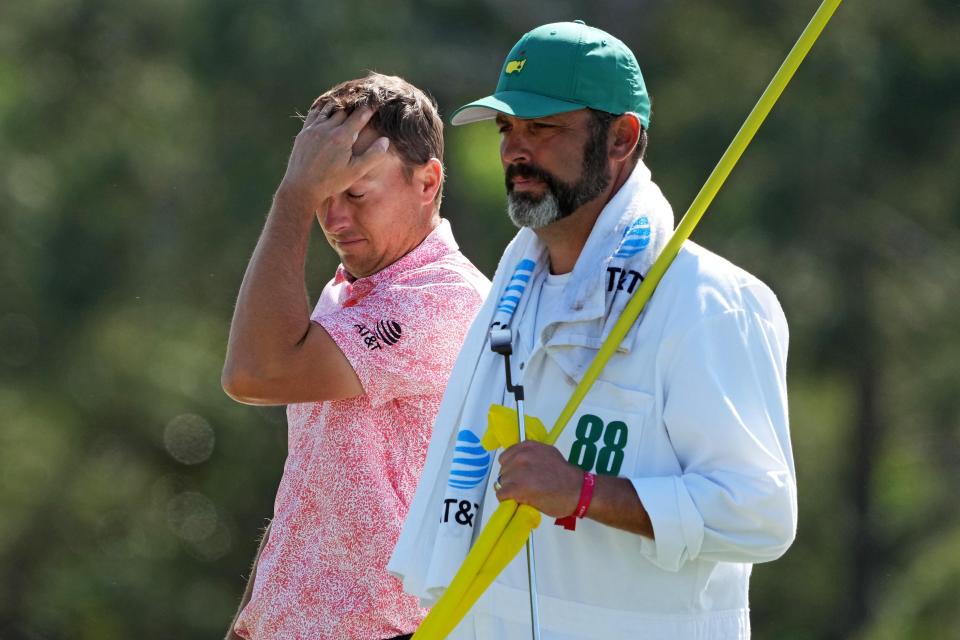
[{"x": 438, "y": 243}]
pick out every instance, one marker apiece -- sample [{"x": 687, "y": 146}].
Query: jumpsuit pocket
[{"x": 604, "y": 435}]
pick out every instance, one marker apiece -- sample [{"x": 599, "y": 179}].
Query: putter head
[{"x": 501, "y": 341}]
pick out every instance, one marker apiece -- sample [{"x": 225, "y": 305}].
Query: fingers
[
  {"x": 523, "y": 449},
  {"x": 358, "y": 119},
  {"x": 318, "y": 113},
  {"x": 311, "y": 117},
  {"x": 325, "y": 152},
  {"x": 334, "y": 116},
  {"x": 503, "y": 489},
  {"x": 374, "y": 155},
  {"x": 328, "y": 113},
  {"x": 327, "y": 109},
  {"x": 510, "y": 477},
  {"x": 515, "y": 488}
]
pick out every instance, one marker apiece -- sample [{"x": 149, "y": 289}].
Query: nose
[
  {"x": 514, "y": 147},
  {"x": 335, "y": 215}
]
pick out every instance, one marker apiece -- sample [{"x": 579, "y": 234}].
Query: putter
[{"x": 501, "y": 341}]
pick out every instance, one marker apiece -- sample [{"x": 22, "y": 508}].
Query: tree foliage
[{"x": 141, "y": 146}]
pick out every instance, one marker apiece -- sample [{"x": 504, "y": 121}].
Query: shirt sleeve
[
  {"x": 402, "y": 339},
  {"x": 725, "y": 410}
]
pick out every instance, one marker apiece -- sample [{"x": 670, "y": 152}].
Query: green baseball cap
[{"x": 563, "y": 67}]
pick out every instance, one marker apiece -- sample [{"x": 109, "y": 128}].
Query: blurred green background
[{"x": 140, "y": 144}]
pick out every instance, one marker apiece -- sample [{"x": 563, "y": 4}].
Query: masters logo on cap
[
  {"x": 566, "y": 66},
  {"x": 514, "y": 66}
]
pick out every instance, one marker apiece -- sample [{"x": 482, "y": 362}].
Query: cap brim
[{"x": 520, "y": 104}]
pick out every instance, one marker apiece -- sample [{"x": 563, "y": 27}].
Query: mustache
[{"x": 515, "y": 171}]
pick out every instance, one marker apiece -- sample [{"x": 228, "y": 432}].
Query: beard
[{"x": 560, "y": 198}]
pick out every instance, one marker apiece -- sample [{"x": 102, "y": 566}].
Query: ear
[
  {"x": 624, "y": 136},
  {"x": 428, "y": 177}
]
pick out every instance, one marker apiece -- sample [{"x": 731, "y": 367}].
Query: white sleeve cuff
[{"x": 676, "y": 522}]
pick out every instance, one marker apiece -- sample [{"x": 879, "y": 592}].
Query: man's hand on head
[
  {"x": 536, "y": 474},
  {"x": 276, "y": 355},
  {"x": 325, "y": 159}
]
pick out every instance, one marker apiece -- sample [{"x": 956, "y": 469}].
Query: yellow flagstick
[
  {"x": 444, "y": 615},
  {"x": 453, "y": 605},
  {"x": 505, "y": 538},
  {"x": 697, "y": 208},
  {"x": 524, "y": 521}
]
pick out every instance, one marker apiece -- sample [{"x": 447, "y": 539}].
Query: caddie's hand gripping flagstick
[
  {"x": 509, "y": 526},
  {"x": 501, "y": 341}
]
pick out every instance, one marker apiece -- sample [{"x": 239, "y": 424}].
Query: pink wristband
[{"x": 586, "y": 495}]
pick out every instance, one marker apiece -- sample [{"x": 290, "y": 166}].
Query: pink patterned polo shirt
[{"x": 353, "y": 464}]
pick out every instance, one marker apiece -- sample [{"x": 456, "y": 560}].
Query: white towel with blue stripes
[{"x": 444, "y": 516}]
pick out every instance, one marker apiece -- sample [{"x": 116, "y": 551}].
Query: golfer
[
  {"x": 362, "y": 374},
  {"x": 675, "y": 474}
]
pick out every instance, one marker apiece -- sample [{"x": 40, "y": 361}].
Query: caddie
[
  {"x": 363, "y": 373},
  {"x": 675, "y": 475}
]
